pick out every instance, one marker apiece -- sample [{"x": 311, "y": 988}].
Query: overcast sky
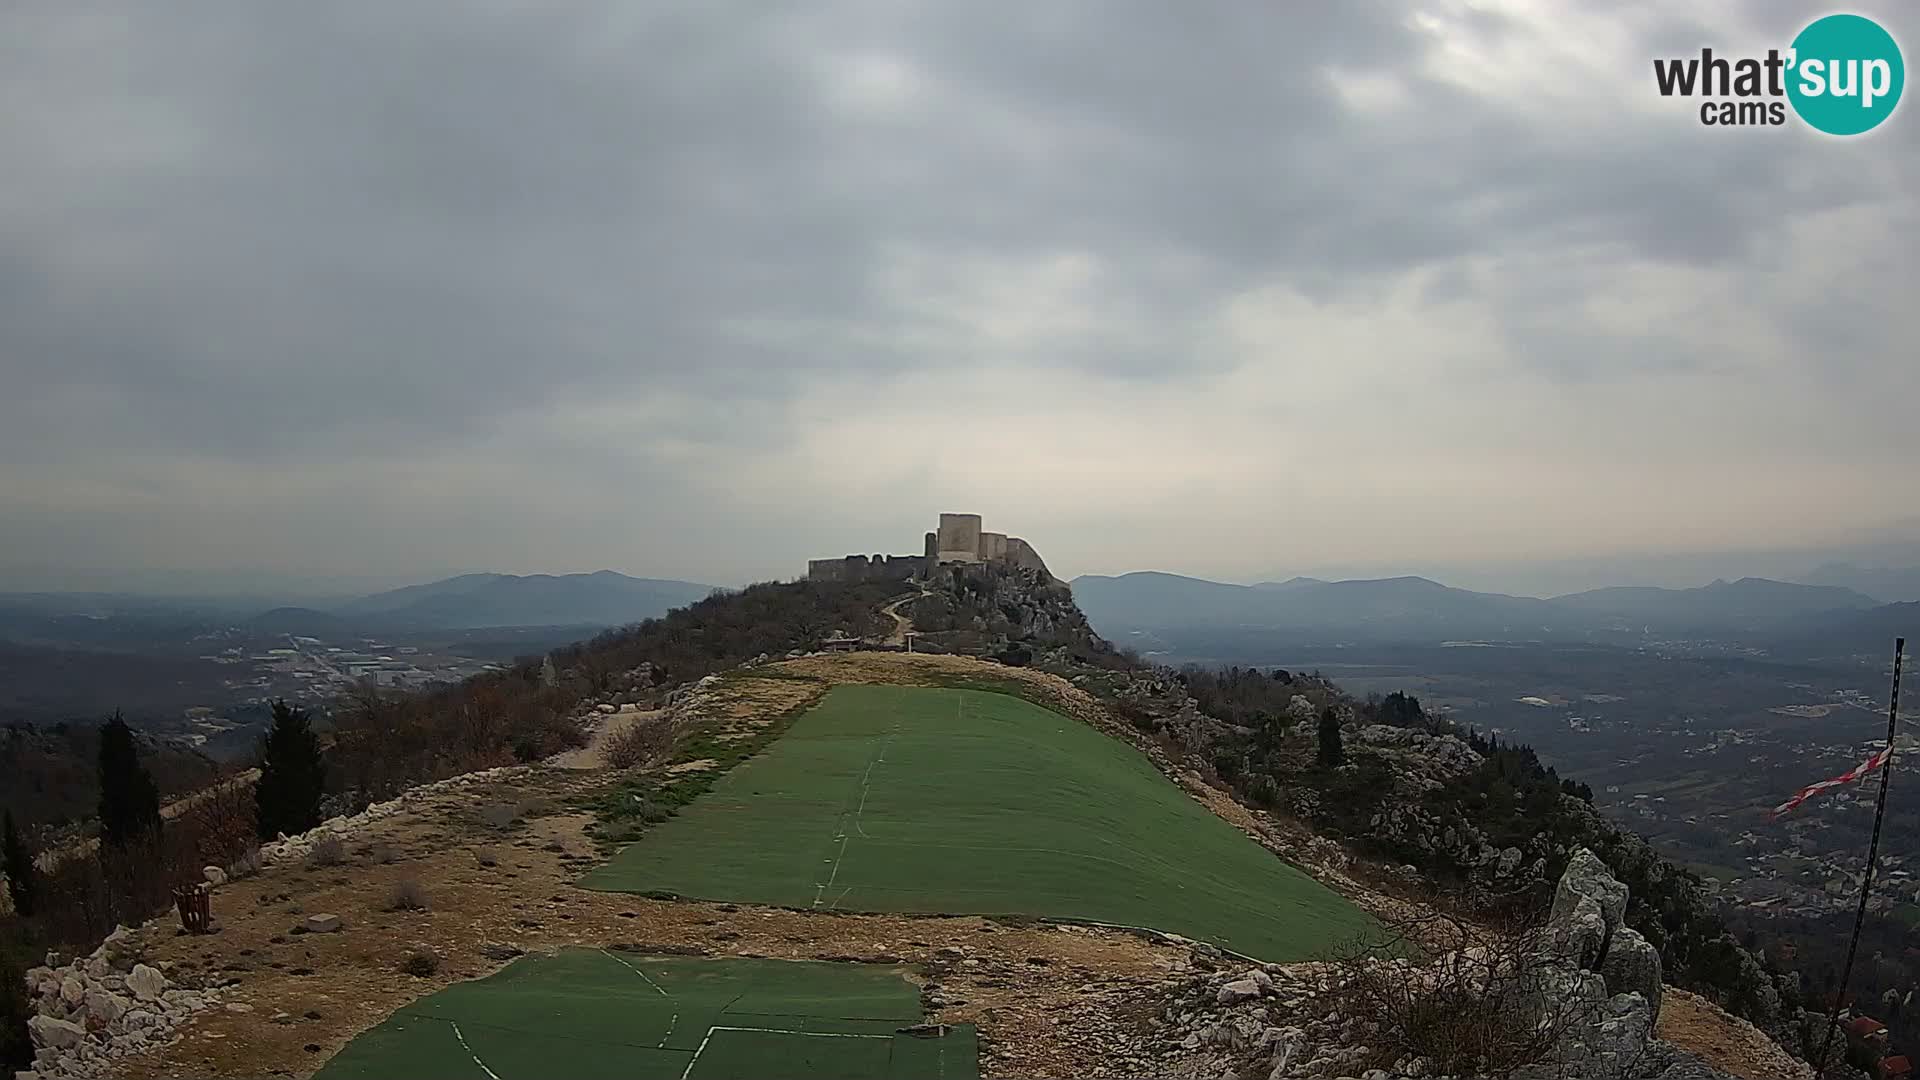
[{"x": 364, "y": 291}]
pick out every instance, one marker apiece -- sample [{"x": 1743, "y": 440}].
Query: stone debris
[
  {"x": 1596, "y": 979},
  {"x": 289, "y": 848},
  {"x": 106, "y": 1006}
]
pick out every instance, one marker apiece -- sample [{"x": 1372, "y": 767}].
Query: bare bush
[
  {"x": 640, "y": 743},
  {"x": 1481, "y": 1007},
  {"x": 420, "y": 963},
  {"x": 383, "y": 853},
  {"x": 327, "y": 851},
  {"x": 246, "y": 864},
  {"x": 407, "y": 895},
  {"x": 498, "y": 815}
]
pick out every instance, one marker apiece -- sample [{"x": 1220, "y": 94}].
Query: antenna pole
[{"x": 1873, "y": 855}]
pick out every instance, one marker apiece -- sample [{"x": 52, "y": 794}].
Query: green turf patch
[
  {"x": 910, "y": 799},
  {"x": 593, "y": 1013}
]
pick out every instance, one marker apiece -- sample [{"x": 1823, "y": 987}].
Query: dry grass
[
  {"x": 641, "y": 742},
  {"x": 407, "y": 895},
  {"x": 329, "y": 851}
]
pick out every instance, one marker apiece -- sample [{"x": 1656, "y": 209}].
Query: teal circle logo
[{"x": 1846, "y": 74}]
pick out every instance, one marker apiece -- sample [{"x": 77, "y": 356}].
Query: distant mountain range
[
  {"x": 1887, "y": 584},
  {"x": 604, "y": 598},
  {"x": 1415, "y": 608}
]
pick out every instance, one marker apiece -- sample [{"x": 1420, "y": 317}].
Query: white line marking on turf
[
  {"x": 836, "y": 869},
  {"x": 708, "y": 1037},
  {"x": 672, "y": 1020},
  {"x": 470, "y": 1053},
  {"x": 866, "y": 783}
]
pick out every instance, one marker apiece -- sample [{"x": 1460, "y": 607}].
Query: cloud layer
[{"x": 364, "y": 290}]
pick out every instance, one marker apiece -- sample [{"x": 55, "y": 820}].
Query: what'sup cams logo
[{"x": 1842, "y": 75}]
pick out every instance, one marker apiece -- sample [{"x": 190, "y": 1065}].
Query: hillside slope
[{"x": 497, "y": 854}]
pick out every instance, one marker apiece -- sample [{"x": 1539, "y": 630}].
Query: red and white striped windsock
[{"x": 1857, "y": 773}]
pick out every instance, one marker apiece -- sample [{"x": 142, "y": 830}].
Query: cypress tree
[
  {"x": 293, "y": 775},
  {"x": 19, "y": 867},
  {"x": 1331, "y": 752},
  {"x": 129, "y": 801}
]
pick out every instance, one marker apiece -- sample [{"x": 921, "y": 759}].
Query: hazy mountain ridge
[
  {"x": 1418, "y": 607},
  {"x": 472, "y": 601}
]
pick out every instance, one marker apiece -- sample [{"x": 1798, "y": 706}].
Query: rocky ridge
[{"x": 1593, "y": 987}]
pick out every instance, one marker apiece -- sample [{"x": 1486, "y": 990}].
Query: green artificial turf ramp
[
  {"x": 909, "y": 799},
  {"x": 591, "y": 1013}
]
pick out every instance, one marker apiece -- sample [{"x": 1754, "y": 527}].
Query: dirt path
[
  {"x": 593, "y": 755},
  {"x": 902, "y": 625}
]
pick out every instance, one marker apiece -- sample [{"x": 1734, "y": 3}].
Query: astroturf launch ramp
[
  {"x": 909, "y": 799},
  {"x": 591, "y": 1013}
]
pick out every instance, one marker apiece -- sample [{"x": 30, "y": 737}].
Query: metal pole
[{"x": 1873, "y": 855}]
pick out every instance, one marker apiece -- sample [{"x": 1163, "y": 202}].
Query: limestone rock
[
  {"x": 215, "y": 876},
  {"x": 1632, "y": 966},
  {"x": 146, "y": 982},
  {"x": 105, "y": 1007},
  {"x": 47, "y": 1031},
  {"x": 72, "y": 990},
  {"x": 1587, "y": 876},
  {"x": 1237, "y": 991},
  {"x": 323, "y": 924}
]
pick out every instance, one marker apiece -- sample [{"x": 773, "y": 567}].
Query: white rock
[
  {"x": 215, "y": 876},
  {"x": 323, "y": 924},
  {"x": 146, "y": 982},
  {"x": 48, "y": 1032},
  {"x": 72, "y": 990},
  {"x": 105, "y": 1007},
  {"x": 1237, "y": 991}
]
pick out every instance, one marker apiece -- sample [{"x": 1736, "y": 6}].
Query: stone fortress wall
[{"x": 959, "y": 539}]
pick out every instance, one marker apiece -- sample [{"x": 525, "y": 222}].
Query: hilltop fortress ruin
[{"x": 959, "y": 539}]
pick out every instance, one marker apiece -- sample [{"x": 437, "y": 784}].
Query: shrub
[
  {"x": 328, "y": 851},
  {"x": 246, "y": 865},
  {"x": 640, "y": 742},
  {"x": 407, "y": 895},
  {"x": 383, "y": 853},
  {"x": 420, "y": 963},
  {"x": 498, "y": 815},
  {"x": 1477, "y": 1010}
]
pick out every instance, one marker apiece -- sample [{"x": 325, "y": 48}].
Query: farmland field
[
  {"x": 592, "y": 1013},
  {"x": 909, "y": 799}
]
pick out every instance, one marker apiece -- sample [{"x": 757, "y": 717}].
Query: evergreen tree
[
  {"x": 129, "y": 801},
  {"x": 16, "y": 1041},
  {"x": 18, "y": 862},
  {"x": 1331, "y": 753},
  {"x": 293, "y": 775}
]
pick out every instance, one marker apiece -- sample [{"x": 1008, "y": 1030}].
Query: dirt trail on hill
[
  {"x": 902, "y": 624},
  {"x": 594, "y": 754}
]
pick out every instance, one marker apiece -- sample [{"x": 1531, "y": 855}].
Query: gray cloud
[{"x": 363, "y": 290}]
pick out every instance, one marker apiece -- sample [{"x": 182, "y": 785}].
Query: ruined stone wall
[
  {"x": 1020, "y": 553},
  {"x": 993, "y": 546},
  {"x": 862, "y": 568}
]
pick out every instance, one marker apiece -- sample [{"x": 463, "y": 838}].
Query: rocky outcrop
[
  {"x": 95, "y": 1010},
  {"x": 1588, "y": 981}
]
